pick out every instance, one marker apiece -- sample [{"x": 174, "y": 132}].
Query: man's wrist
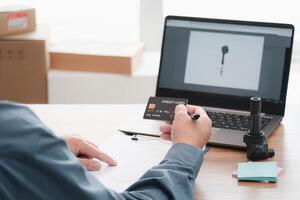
[
  {"x": 192, "y": 143},
  {"x": 187, "y": 154}
]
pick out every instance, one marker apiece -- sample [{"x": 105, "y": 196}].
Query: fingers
[
  {"x": 106, "y": 158},
  {"x": 89, "y": 164},
  {"x": 204, "y": 118},
  {"x": 180, "y": 110},
  {"x": 196, "y": 110},
  {"x": 182, "y": 113},
  {"x": 191, "y": 109},
  {"x": 94, "y": 145},
  {"x": 180, "y": 107},
  {"x": 92, "y": 152},
  {"x": 166, "y": 136},
  {"x": 165, "y": 128}
]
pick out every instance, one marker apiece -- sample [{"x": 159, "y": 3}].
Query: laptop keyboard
[{"x": 233, "y": 121}]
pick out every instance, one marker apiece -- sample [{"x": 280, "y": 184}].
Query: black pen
[
  {"x": 195, "y": 117},
  {"x": 131, "y": 133},
  {"x": 136, "y": 133}
]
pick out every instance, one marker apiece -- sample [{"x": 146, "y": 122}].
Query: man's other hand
[{"x": 87, "y": 153}]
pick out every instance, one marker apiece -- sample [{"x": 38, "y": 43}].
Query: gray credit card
[{"x": 162, "y": 108}]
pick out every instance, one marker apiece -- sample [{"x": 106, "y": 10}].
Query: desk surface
[{"x": 98, "y": 122}]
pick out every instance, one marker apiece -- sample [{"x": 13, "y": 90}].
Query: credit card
[{"x": 162, "y": 108}]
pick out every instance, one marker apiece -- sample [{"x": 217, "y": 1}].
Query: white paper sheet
[{"x": 134, "y": 159}]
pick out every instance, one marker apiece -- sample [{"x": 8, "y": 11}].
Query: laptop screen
[{"x": 223, "y": 58}]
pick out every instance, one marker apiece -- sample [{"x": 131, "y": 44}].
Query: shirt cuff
[{"x": 187, "y": 154}]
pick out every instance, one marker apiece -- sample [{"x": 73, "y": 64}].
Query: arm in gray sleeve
[
  {"x": 34, "y": 164},
  {"x": 173, "y": 178}
]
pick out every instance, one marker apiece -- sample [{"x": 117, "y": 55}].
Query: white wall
[
  {"x": 118, "y": 19},
  {"x": 286, "y": 11},
  {"x": 112, "y": 20}
]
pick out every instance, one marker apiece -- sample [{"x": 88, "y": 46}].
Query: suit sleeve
[{"x": 35, "y": 164}]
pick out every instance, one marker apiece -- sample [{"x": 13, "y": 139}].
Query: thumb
[{"x": 180, "y": 108}]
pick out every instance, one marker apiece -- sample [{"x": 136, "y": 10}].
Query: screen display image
[{"x": 215, "y": 59}]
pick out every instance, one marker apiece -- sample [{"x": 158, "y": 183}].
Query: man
[{"x": 34, "y": 164}]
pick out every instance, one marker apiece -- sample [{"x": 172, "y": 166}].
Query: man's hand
[
  {"x": 87, "y": 152},
  {"x": 185, "y": 130}
]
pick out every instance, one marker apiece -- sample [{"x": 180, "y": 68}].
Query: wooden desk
[
  {"x": 97, "y": 122},
  {"x": 215, "y": 181}
]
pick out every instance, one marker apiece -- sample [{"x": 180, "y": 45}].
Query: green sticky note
[{"x": 257, "y": 171}]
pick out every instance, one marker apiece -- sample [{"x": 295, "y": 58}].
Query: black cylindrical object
[
  {"x": 256, "y": 142},
  {"x": 254, "y": 121}
]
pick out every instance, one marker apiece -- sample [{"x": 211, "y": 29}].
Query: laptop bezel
[{"x": 229, "y": 101}]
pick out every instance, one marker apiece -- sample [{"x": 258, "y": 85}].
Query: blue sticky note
[{"x": 257, "y": 171}]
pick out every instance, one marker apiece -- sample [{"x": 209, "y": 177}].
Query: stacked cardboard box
[
  {"x": 93, "y": 56},
  {"x": 17, "y": 19},
  {"x": 23, "y": 58}
]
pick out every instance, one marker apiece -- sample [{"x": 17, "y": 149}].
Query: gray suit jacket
[{"x": 34, "y": 164}]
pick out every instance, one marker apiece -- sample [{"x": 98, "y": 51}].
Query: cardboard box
[
  {"x": 23, "y": 70},
  {"x": 42, "y": 32},
  {"x": 16, "y": 19},
  {"x": 92, "y": 56}
]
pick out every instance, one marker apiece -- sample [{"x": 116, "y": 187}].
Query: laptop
[{"x": 220, "y": 64}]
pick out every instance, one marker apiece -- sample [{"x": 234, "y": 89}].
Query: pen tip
[{"x": 197, "y": 116}]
